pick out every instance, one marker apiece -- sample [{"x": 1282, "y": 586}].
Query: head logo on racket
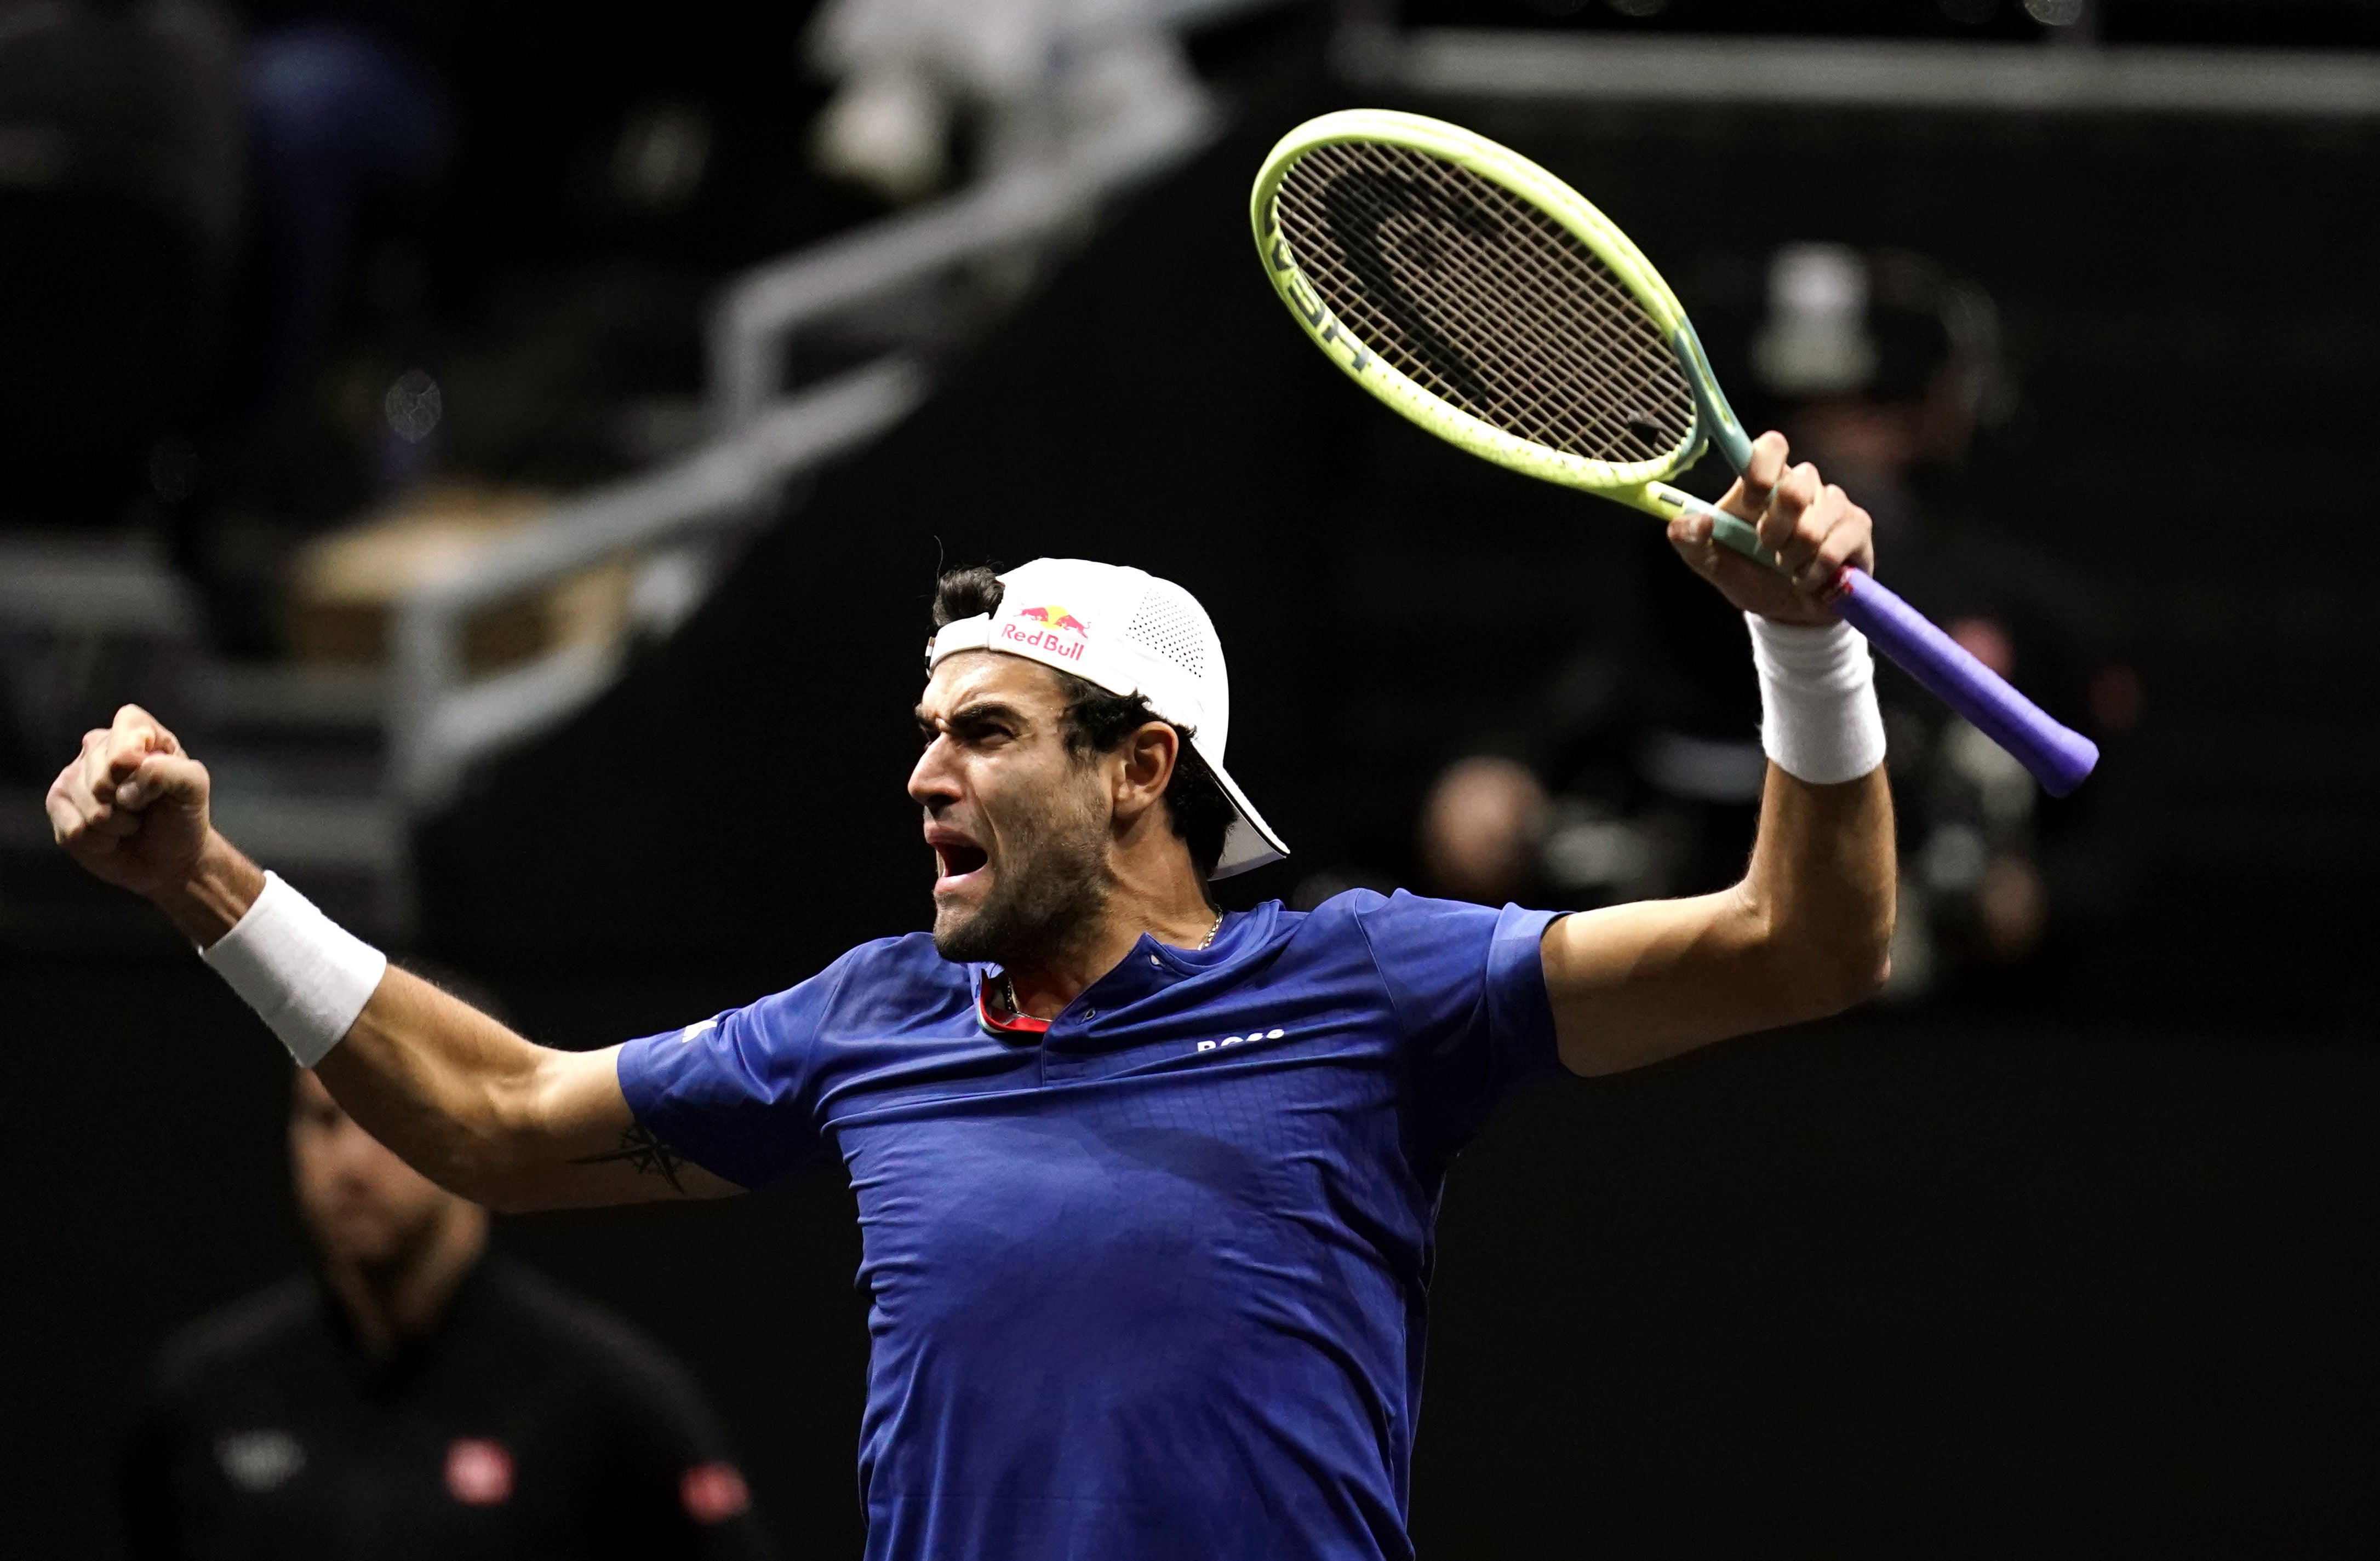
[{"x": 1488, "y": 302}]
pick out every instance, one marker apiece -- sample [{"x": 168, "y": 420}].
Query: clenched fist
[
  {"x": 1810, "y": 524},
  {"x": 132, "y": 807}
]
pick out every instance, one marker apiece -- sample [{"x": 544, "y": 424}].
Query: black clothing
[{"x": 528, "y": 1423}]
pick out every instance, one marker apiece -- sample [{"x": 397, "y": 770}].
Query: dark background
[{"x": 2070, "y": 1264}]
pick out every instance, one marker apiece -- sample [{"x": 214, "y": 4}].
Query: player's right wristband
[
  {"x": 1818, "y": 716},
  {"x": 306, "y": 976}
]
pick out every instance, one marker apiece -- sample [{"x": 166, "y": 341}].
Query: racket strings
[
  {"x": 1620, "y": 424},
  {"x": 1600, "y": 317},
  {"x": 1483, "y": 299}
]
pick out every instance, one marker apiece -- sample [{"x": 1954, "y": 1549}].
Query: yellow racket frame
[
  {"x": 1638, "y": 483},
  {"x": 2058, "y": 757}
]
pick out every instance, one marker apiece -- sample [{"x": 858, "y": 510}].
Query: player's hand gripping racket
[{"x": 1488, "y": 302}]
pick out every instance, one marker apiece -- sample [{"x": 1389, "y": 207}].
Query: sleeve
[
  {"x": 1469, "y": 992},
  {"x": 737, "y": 1094}
]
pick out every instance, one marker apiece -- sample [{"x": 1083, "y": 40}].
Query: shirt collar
[
  {"x": 1150, "y": 968},
  {"x": 1020, "y": 1026}
]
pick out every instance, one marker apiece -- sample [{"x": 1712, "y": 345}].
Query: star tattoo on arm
[{"x": 644, "y": 1153}]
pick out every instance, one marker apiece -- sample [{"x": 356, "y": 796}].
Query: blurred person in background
[
  {"x": 351, "y": 126},
  {"x": 1019, "y": 81},
  {"x": 1888, "y": 368},
  {"x": 350, "y": 106},
  {"x": 417, "y": 1396},
  {"x": 1634, "y": 771}
]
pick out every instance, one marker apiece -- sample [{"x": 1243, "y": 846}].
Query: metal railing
[
  {"x": 443, "y": 717},
  {"x": 2073, "y": 77}
]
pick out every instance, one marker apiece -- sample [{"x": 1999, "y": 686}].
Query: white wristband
[
  {"x": 305, "y": 975},
  {"x": 1818, "y": 717}
]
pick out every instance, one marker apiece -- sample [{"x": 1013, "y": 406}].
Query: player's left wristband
[
  {"x": 306, "y": 976},
  {"x": 1819, "y": 715}
]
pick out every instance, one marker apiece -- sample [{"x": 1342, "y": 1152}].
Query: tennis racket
[{"x": 1488, "y": 302}]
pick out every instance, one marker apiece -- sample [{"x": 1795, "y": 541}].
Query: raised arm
[
  {"x": 474, "y": 1106},
  {"x": 1806, "y": 932}
]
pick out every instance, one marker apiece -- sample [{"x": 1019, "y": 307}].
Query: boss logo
[{"x": 1242, "y": 1040}]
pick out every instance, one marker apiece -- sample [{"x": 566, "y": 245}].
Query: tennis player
[{"x": 1146, "y": 1188}]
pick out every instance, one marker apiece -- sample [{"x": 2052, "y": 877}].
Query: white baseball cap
[{"x": 1131, "y": 634}]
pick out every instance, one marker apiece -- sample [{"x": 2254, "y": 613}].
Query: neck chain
[{"x": 1008, "y": 984}]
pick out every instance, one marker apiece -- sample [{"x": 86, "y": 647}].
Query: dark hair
[{"x": 1099, "y": 721}]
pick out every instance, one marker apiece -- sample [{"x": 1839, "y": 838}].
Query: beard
[
  {"x": 1049, "y": 886},
  {"x": 379, "y": 1243}
]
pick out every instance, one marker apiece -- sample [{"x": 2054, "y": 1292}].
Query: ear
[{"x": 1148, "y": 757}]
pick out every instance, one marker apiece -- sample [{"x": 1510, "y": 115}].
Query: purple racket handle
[{"x": 2059, "y": 758}]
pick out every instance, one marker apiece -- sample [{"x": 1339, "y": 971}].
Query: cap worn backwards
[{"x": 1130, "y": 632}]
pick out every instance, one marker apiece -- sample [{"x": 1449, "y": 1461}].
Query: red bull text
[{"x": 1062, "y": 637}]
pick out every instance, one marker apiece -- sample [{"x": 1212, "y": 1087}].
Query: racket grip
[{"x": 2058, "y": 757}]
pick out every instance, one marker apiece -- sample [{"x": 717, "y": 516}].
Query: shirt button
[{"x": 1090, "y": 1013}]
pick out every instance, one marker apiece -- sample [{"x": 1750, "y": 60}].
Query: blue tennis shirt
[{"x": 1151, "y": 1283}]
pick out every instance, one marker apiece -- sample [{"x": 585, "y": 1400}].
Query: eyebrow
[{"x": 974, "y": 714}]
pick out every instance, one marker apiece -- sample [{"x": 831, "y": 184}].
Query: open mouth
[{"x": 958, "y": 860}]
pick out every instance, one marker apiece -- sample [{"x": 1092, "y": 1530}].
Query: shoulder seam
[
  {"x": 1396, "y": 1005},
  {"x": 811, "y": 1108}
]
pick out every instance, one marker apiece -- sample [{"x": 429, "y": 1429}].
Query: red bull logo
[{"x": 1060, "y": 633}]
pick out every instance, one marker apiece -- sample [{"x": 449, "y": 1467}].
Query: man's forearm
[
  {"x": 1804, "y": 934},
  {"x": 450, "y": 1089},
  {"x": 210, "y": 899},
  {"x": 467, "y": 1102},
  {"x": 474, "y": 1106},
  {"x": 1822, "y": 886}
]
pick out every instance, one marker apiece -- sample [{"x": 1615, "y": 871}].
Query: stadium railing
[{"x": 441, "y": 718}]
